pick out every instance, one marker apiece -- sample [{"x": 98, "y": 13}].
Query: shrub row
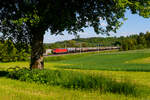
[{"x": 75, "y": 80}]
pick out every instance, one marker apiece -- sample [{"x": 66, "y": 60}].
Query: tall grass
[{"x": 75, "y": 80}]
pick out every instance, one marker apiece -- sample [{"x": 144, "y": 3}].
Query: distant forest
[{"x": 137, "y": 41}]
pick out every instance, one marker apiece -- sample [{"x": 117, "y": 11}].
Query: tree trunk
[{"x": 37, "y": 60}]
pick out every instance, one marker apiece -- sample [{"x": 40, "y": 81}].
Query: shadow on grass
[{"x": 3, "y": 73}]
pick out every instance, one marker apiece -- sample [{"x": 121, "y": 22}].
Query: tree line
[
  {"x": 132, "y": 42},
  {"x": 85, "y": 42}
]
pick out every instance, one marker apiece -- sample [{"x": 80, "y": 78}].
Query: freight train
[{"x": 85, "y": 49}]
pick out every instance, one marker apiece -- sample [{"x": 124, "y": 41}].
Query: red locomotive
[{"x": 59, "y": 51}]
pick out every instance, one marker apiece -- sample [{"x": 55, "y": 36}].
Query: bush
[{"x": 75, "y": 80}]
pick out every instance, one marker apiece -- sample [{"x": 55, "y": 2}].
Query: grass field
[
  {"x": 122, "y": 61},
  {"x": 133, "y": 66}
]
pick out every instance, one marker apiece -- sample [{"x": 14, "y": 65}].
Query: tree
[
  {"x": 8, "y": 51},
  {"x": 147, "y": 37},
  {"x": 141, "y": 40},
  {"x": 27, "y": 20},
  {"x": 71, "y": 43}
]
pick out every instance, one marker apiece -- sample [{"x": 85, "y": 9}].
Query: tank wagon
[{"x": 85, "y": 49}]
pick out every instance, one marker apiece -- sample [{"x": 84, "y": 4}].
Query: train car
[
  {"x": 78, "y": 49},
  {"x": 59, "y": 51},
  {"x": 84, "y": 49},
  {"x": 71, "y": 50},
  {"x": 92, "y": 49}
]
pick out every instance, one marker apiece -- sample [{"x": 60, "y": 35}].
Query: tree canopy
[{"x": 27, "y": 20}]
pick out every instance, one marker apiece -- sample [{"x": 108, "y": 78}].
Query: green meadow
[
  {"x": 120, "y": 72},
  {"x": 138, "y": 60}
]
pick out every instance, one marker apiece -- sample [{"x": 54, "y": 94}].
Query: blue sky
[{"x": 134, "y": 25}]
